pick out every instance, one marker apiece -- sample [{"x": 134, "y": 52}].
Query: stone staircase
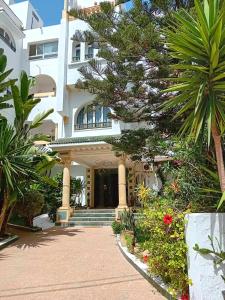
[{"x": 92, "y": 217}]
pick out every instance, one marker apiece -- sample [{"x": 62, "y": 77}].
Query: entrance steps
[{"x": 92, "y": 217}]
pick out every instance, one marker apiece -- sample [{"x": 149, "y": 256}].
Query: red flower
[
  {"x": 168, "y": 219},
  {"x": 184, "y": 297},
  {"x": 145, "y": 258}
]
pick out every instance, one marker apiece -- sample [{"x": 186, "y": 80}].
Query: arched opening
[
  {"x": 7, "y": 37},
  {"x": 45, "y": 86},
  {"x": 93, "y": 117}
]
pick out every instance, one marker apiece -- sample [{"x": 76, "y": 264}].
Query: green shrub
[
  {"x": 127, "y": 219},
  {"x": 29, "y": 206},
  {"x": 117, "y": 227},
  {"x": 161, "y": 232}
]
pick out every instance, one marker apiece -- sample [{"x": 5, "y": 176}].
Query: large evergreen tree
[{"x": 132, "y": 61}]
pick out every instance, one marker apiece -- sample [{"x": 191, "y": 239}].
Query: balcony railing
[
  {"x": 92, "y": 125},
  {"x": 8, "y": 42},
  {"x": 89, "y": 56},
  {"x": 75, "y": 58}
]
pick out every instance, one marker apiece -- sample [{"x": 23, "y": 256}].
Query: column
[
  {"x": 122, "y": 183},
  {"x": 64, "y": 212},
  {"x": 66, "y": 185}
]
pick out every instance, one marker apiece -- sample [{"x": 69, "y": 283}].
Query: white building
[{"x": 51, "y": 56}]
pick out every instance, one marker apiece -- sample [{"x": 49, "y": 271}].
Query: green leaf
[{"x": 222, "y": 199}]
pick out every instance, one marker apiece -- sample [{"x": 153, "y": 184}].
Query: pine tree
[{"x": 132, "y": 61}]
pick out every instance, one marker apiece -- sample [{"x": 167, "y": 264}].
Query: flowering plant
[
  {"x": 163, "y": 229},
  {"x": 167, "y": 219}
]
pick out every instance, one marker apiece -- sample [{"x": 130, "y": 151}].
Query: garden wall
[{"x": 205, "y": 275}]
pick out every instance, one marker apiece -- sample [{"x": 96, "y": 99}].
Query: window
[
  {"x": 6, "y": 37},
  {"x": 93, "y": 117},
  {"x": 76, "y": 52},
  {"x": 89, "y": 51},
  {"x": 44, "y": 50}
]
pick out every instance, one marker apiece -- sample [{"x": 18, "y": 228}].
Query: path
[{"x": 70, "y": 263}]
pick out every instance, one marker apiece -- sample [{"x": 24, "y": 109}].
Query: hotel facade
[{"x": 52, "y": 56}]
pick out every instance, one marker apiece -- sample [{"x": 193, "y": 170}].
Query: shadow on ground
[
  {"x": 66, "y": 286},
  {"x": 42, "y": 238}
]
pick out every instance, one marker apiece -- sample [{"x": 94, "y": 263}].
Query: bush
[
  {"x": 29, "y": 206},
  {"x": 127, "y": 219},
  {"x": 52, "y": 195},
  {"x": 117, "y": 227},
  {"x": 161, "y": 233}
]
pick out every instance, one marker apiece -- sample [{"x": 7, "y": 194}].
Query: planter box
[{"x": 206, "y": 277}]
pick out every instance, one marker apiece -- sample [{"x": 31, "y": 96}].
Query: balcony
[
  {"x": 93, "y": 126},
  {"x": 76, "y": 59}
]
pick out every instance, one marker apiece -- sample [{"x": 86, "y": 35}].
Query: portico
[{"x": 95, "y": 157}]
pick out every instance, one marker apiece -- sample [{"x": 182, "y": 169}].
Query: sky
[{"x": 49, "y": 10}]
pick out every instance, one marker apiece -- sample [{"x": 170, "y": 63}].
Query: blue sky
[{"x": 49, "y": 10}]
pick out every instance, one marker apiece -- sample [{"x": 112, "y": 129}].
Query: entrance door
[{"x": 106, "y": 188}]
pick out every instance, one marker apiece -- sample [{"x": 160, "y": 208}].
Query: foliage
[
  {"x": 29, "y": 206},
  {"x": 135, "y": 61},
  {"x": 218, "y": 254},
  {"x": 163, "y": 229},
  {"x": 128, "y": 220},
  {"x": 20, "y": 161},
  {"x": 200, "y": 61},
  {"x": 188, "y": 178},
  {"x": 5, "y": 83},
  {"x": 77, "y": 186},
  {"x": 129, "y": 240},
  {"x": 196, "y": 44},
  {"x": 117, "y": 227},
  {"x": 52, "y": 195}
]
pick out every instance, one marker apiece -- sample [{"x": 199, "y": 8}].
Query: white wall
[
  {"x": 24, "y": 11},
  {"x": 206, "y": 277}
]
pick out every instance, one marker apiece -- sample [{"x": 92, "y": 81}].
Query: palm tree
[{"x": 196, "y": 42}]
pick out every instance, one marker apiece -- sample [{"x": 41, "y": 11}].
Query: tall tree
[
  {"x": 128, "y": 73},
  {"x": 197, "y": 44},
  {"x": 131, "y": 60}
]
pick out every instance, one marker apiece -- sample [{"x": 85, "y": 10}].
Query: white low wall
[{"x": 206, "y": 277}]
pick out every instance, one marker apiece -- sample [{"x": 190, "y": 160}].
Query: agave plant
[{"x": 196, "y": 42}]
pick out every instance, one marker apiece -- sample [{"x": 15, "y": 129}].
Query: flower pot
[{"x": 207, "y": 282}]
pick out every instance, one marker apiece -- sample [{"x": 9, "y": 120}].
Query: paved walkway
[{"x": 71, "y": 263}]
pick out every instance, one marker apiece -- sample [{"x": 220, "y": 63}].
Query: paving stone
[{"x": 70, "y": 263}]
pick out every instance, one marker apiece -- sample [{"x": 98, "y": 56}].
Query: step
[
  {"x": 89, "y": 223},
  {"x": 92, "y": 219},
  {"x": 85, "y": 211},
  {"x": 96, "y": 215}
]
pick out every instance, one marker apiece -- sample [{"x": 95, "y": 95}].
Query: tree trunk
[
  {"x": 5, "y": 221},
  {"x": 3, "y": 213},
  {"x": 219, "y": 156}
]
